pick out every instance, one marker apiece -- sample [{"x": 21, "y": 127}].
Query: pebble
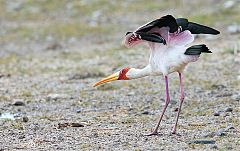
[
  {"x": 233, "y": 29},
  {"x": 19, "y": 103},
  {"x": 202, "y": 142},
  {"x": 229, "y": 4},
  {"x": 210, "y": 134},
  {"x": 25, "y": 119},
  {"x": 77, "y": 125},
  {"x": 216, "y": 113},
  {"x": 175, "y": 109},
  {"x": 54, "y": 46},
  {"x": 220, "y": 132},
  {"x": 145, "y": 112},
  {"x": 56, "y": 97},
  {"x": 78, "y": 110},
  {"x": 236, "y": 97},
  {"x": 214, "y": 147},
  {"x": 229, "y": 109},
  {"x": 229, "y": 127},
  {"x": 218, "y": 86},
  {"x": 21, "y": 137},
  {"x": 224, "y": 94},
  {"x": 131, "y": 94}
]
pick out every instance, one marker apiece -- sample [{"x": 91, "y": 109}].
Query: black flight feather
[
  {"x": 153, "y": 37},
  {"x": 197, "y": 50},
  {"x": 165, "y": 21},
  {"x": 195, "y": 28}
]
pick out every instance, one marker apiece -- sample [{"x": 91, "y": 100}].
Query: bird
[{"x": 166, "y": 38}]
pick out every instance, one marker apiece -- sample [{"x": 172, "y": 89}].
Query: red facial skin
[{"x": 122, "y": 74}]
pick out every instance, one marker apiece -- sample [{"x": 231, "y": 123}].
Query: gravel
[{"x": 47, "y": 101}]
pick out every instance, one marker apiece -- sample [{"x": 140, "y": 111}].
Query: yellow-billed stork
[{"x": 167, "y": 38}]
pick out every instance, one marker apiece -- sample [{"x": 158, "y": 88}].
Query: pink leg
[
  {"x": 181, "y": 101},
  {"x": 164, "y": 109}
]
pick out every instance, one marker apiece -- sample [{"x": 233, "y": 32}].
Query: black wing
[
  {"x": 153, "y": 37},
  {"x": 195, "y": 28},
  {"x": 173, "y": 24},
  {"x": 165, "y": 21}
]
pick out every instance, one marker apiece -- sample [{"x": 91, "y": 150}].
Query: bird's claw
[{"x": 152, "y": 133}]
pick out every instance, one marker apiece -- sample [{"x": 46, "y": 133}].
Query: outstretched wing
[
  {"x": 195, "y": 28},
  {"x": 165, "y": 21},
  {"x": 167, "y": 29},
  {"x": 152, "y": 31}
]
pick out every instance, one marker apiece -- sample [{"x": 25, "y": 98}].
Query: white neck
[{"x": 138, "y": 73}]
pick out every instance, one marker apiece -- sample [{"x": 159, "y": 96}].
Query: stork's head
[{"x": 120, "y": 75}]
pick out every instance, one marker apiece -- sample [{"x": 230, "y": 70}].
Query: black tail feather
[{"x": 197, "y": 50}]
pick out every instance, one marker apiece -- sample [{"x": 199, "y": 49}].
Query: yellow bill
[{"x": 110, "y": 78}]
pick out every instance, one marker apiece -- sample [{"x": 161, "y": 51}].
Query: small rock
[
  {"x": 56, "y": 97},
  {"x": 78, "y": 110},
  {"x": 202, "y": 142},
  {"x": 54, "y": 46},
  {"x": 229, "y": 109},
  {"x": 226, "y": 114},
  {"x": 19, "y": 103},
  {"x": 229, "y": 4},
  {"x": 214, "y": 147},
  {"x": 21, "y": 137},
  {"x": 25, "y": 119},
  {"x": 131, "y": 94},
  {"x": 233, "y": 29},
  {"x": 77, "y": 125},
  {"x": 220, "y": 132},
  {"x": 216, "y": 113},
  {"x": 229, "y": 127},
  {"x": 218, "y": 86},
  {"x": 5, "y": 75},
  {"x": 64, "y": 125},
  {"x": 224, "y": 94},
  {"x": 211, "y": 134},
  {"x": 236, "y": 97},
  {"x": 14, "y": 6},
  {"x": 145, "y": 112},
  {"x": 130, "y": 109},
  {"x": 175, "y": 109}
]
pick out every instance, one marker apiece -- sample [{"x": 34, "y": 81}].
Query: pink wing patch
[
  {"x": 164, "y": 32},
  {"x": 181, "y": 39},
  {"x": 131, "y": 40}
]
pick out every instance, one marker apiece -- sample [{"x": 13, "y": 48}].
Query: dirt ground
[{"x": 52, "y": 52}]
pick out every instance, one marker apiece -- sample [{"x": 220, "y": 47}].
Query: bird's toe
[{"x": 152, "y": 134}]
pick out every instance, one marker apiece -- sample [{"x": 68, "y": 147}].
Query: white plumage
[
  {"x": 167, "y": 39},
  {"x": 166, "y": 59}
]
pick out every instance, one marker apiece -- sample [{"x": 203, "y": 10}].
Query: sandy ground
[{"x": 53, "y": 52}]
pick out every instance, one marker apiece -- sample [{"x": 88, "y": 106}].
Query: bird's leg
[
  {"x": 164, "y": 109},
  {"x": 181, "y": 101}
]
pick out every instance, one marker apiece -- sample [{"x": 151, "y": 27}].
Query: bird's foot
[
  {"x": 174, "y": 132},
  {"x": 152, "y": 133}
]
